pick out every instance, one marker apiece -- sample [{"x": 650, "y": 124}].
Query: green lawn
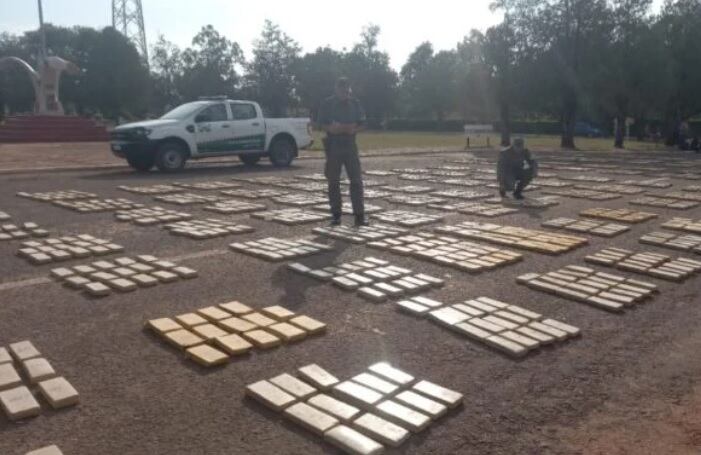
[{"x": 377, "y": 140}]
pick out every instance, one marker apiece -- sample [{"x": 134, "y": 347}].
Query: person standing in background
[{"x": 341, "y": 116}]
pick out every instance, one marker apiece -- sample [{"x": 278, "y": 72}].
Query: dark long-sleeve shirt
[
  {"x": 336, "y": 110},
  {"x": 511, "y": 165}
]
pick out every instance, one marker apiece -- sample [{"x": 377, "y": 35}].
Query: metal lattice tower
[{"x": 128, "y": 18}]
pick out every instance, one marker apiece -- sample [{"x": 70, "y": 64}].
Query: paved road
[{"x": 608, "y": 392}]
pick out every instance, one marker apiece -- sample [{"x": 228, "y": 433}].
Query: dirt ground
[
  {"x": 630, "y": 385},
  {"x": 95, "y": 155}
]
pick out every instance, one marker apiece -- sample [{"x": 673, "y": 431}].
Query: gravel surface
[{"x": 628, "y": 385}]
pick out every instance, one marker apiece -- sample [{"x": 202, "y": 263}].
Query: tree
[
  {"x": 209, "y": 66},
  {"x": 270, "y": 75},
  {"x": 167, "y": 66},
  {"x": 428, "y": 82},
  {"x": 316, "y": 74},
  {"x": 442, "y": 76},
  {"x": 16, "y": 92},
  {"x": 415, "y": 89},
  {"x": 374, "y": 81},
  {"x": 499, "y": 46},
  {"x": 473, "y": 81},
  {"x": 633, "y": 77},
  {"x": 680, "y": 23},
  {"x": 564, "y": 33},
  {"x": 116, "y": 82}
]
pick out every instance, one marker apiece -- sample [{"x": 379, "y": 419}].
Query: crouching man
[{"x": 515, "y": 169}]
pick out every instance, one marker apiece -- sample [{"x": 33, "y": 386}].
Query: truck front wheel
[
  {"x": 142, "y": 162},
  {"x": 282, "y": 152},
  {"x": 171, "y": 157}
]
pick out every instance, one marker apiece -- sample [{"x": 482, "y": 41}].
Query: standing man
[
  {"x": 515, "y": 169},
  {"x": 341, "y": 117}
]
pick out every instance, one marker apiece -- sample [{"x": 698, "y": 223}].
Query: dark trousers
[
  {"x": 338, "y": 157},
  {"x": 522, "y": 177}
]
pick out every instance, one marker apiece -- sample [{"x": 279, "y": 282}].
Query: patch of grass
[{"x": 378, "y": 140}]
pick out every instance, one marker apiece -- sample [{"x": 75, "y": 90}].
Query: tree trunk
[
  {"x": 505, "y": 124},
  {"x": 643, "y": 128},
  {"x": 672, "y": 130},
  {"x": 620, "y": 132},
  {"x": 569, "y": 117}
]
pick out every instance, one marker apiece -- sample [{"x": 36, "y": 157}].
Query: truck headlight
[{"x": 142, "y": 132}]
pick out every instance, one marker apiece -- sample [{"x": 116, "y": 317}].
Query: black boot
[
  {"x": 335, "y": 220},
  {"x": 360, "y": 220}
]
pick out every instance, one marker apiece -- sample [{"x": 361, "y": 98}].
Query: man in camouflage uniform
[
  {"x": 515, "y": 169},
  {"x": 341, "y": 116}
]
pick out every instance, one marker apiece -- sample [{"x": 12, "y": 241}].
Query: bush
[
  {"x": 695, "y": 128},
  {"x": 425, "y": 125},
  {"x": 457, "y": 126},
  {"x": 533, "y": 127}
]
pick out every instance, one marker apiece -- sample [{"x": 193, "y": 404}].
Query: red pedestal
[{"x": 34, "y": 128}]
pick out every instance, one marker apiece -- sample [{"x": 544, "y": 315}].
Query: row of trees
[
  {"x": 278, "y": 75},
  {"x": 566, "y": 60},
  {"x": 609, "y": 58}
]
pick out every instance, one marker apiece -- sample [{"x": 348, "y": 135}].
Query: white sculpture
[
  {"x": 45, "y": 80},
  {"x": 47, "y": 77}
]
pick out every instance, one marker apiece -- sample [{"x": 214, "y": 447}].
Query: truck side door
[
  {"x": 213, "y": 129},
  {"x": 249, "y": 127}
]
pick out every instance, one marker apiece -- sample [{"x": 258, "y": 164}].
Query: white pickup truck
[{"x": 209, "y": 128}]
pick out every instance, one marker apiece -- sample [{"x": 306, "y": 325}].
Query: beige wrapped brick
[
  {"x": 309, "y": 324},
  {"x": 207, "y": 356},
  {"x": 293, "y": 386},
  {"x": 9, "y": 377},
  {"x": 258, "y": 319},
  {"x": 311, "y": 418},
  {"x": 163, "y": 325},
  {"x": 236, "y": 325},
  {"x": 353, "y": 442},
  {"x": 50, "y": 450},
  {"x": 24, "y": 350},
  {"x": 38, "y": 369},
  {"x": 190, "y": 320},
  {"x": 19, "y": 403},
  {"x": 278, "y": 313},
  {"x": 213, "y": 313},
  {"x": 233, "y": 344},
  {"x": 288, "y": 332},
  {"x": 236, "y": 308},
  {"x": 182, "y": 338},
  {"x": 208, "y": 331},
  {"x": 270, "y": 395},
  {"x": 335, "y": 407},
  {"x": 381, "y": 430},
  {"x": 59, "y": 393},
  {"x": 262, "y": 339},
  {"x": 318, "y": 376}
]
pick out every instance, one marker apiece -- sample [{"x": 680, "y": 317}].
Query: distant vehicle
[
  {"x": 587, "y": 130},
  {"x": 209, "y": 128}
]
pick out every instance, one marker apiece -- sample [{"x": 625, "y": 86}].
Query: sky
[{"x": 312, "y": 23}]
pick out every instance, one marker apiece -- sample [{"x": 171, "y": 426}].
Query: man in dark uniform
[
  {"x": 515, "y": 169},
  {"x": 341, "y": 117}
]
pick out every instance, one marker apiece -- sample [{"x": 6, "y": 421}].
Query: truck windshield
[{"x": 184, "y": 111}]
